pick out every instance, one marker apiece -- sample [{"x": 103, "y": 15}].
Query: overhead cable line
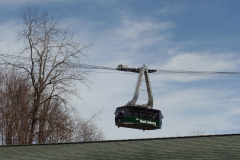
[
  {"x": 130, "y": 70},
  {"x": 197, "y": 73}
]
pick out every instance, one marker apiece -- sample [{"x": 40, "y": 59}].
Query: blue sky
[{"x": 174, "y": 35}]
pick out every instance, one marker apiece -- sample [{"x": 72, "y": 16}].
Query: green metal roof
[{"x": 192, "y": 147}]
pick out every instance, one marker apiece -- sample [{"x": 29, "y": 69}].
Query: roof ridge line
[{"x": 124, "y": 140}]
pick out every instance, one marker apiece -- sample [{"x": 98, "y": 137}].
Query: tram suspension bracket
[{"x": 143, "y": 71}]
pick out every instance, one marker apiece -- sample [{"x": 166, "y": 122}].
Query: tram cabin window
[
  {"x": 119, "y": 112},
  {"x": 129, "y": 112},
  {"x": 143, "y": 115},
  {"x": 156, "y": 115},
  {"x": 136, "y": 114},
  {"x": 149, "y": 116}
]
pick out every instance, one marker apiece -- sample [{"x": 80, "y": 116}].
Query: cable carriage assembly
[{"x": 136, "y": 116}]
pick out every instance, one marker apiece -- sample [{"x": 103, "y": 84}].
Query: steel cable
[{"x": 158, "y": 71}]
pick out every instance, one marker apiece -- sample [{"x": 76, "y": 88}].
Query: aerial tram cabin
[
  {"x": 138, "y": 118},
  {"x": 135, "y": 116}
]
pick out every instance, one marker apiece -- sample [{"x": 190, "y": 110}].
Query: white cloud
[
  {"x": 197, "y": 62},
  {"x": 126, "y": 42},
  {"x": 202, "y": 62},
  {"x": 135, "y": 30}
]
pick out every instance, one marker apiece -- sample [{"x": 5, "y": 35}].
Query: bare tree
[
  {"x": 55, "y": 122},
  {"x": 52, "y": 53},
  {"x": 60, "y": 124},
  {"x": 89, "y": 132},
  {"x": 15, "y": 101},
  {"x": 86, "y": 129}
]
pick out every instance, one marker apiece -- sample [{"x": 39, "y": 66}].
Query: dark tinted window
[
  {"x": 129, "y": 112},
  {"x": 155, "y": 115},
  {"x": 119, "y": 112}
]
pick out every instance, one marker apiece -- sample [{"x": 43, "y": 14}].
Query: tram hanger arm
[{"x": 142, "y": 71}]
